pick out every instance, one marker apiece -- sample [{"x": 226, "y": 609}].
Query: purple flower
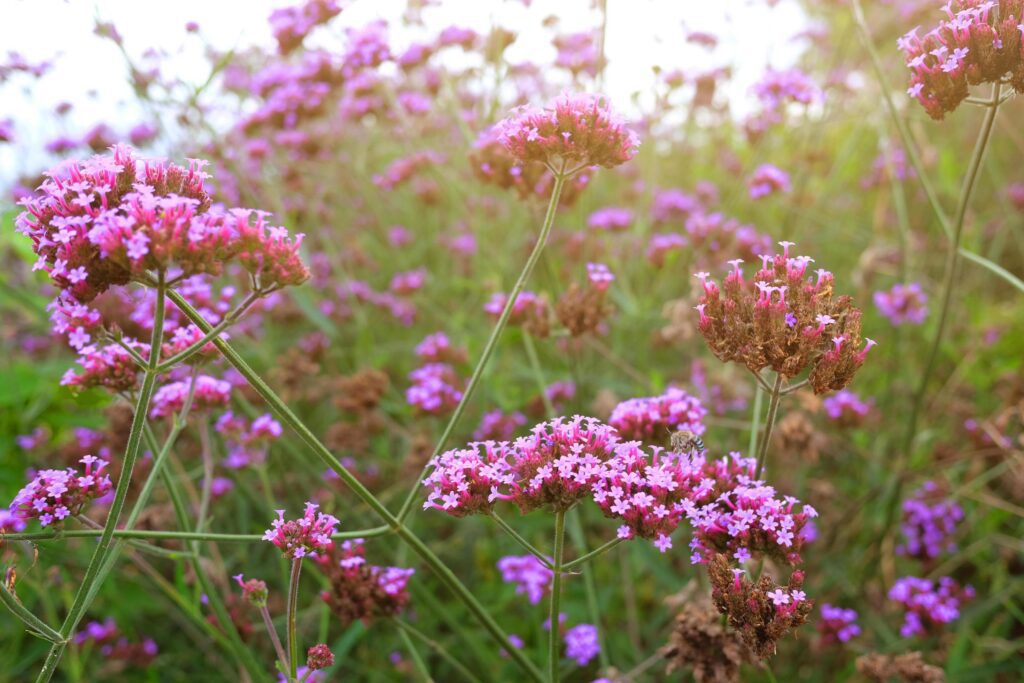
[
  {"x": 837, "y": 625},
  {"x": 529, "y": 574},
  {"x": 903, "y": 304},
  {"x": 581, "y": 643},
  {"x": 302, "y": 537}
]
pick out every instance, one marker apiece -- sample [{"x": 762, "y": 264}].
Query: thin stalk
[
  {"x": 554, "y": 641},
  {"x": 86, "y": 590},
  {"x": 230, "y": 319},
  {"x": 417, "y": 658},
  {"x": 293, "y": 605},
  {"x": 438, "y": 648},
  {"x": 492, "y": 341},
  {"x": 36, "y": 625},
  {"x": 755, "y": 418},
  {"x": 176, "y": 535},
  {"x": 583, "y": 559},
  {"x": 769, "y": 424},
  {"x": 952, "y": 260},
  {"x": 286, "y": 416},
  {"x": 579, "y": 539},
  {"x": 529, "y": 547}
]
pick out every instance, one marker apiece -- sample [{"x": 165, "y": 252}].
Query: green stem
[
  {"x": 520, "y": 540},
  {"x": 952, "y": 260},
  {"x": 86, "y": 590},
  {"x": 583, "y": 559},
  {"x": 34, "y": 623},
  {"x": 177, "y": 535},
  {"x": 492, "y": 341},
  {"x": 272, "y": 632},
  {"x": 285, "y": 414},
  {"x": 554, "y": 641},
  {"x": 438, "y": 648},
  {"x": 755, "y": 418},
  {"x": 769, "y": 424},
  {"x": 417, "y": 658},
  {"x": 293, "y": 605},
  {"x": 230, "y": 319}
]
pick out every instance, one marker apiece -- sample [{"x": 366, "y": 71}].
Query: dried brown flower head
[
  {"x": 702, "y": 643},
  {"x": 909, "y": 667}
]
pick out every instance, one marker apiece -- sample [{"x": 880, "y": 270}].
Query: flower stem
[
  {"x": 769, "y": 424},
  {"x": 952, "y": 260},
  {"x": 438, "y": 648},
  {"x": 583, "y": 559},
  {"x": 272, "y": 632},
  {"x": 556, "y": 595},
  {"x": 87, "y": 589},
  {"x": 532, "y": 549},
  {"x": 417, "y": 658},
  {"x": 293, "y": 606},
  {"x": 285, "y": 414},
  {"x": 34, "y": 623},
  {"x": 492, "y": 341}
]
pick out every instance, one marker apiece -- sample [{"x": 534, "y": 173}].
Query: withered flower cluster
[
  {"x": 702, "y": 643},
  {"x": 785, "y": 320},
  {"x": 761, "y": 612},
  {"x": 495, "y": 165},
  {"x": 359, "y": 590},
  {"x": 909, "y": 667},
  {"x": 582, "y": 309}
]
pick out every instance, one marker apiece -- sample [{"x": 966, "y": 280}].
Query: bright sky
[{"x": 90, "y": 73}]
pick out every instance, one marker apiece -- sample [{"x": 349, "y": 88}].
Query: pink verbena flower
[
  {"x": 837, "y": 625},
  {"x": 495, "y": 425},
  {"x": 649, "y": 493},
  {"x": 768, "y": 180},
  {"x": 254, "y": 591},
  {"x": 291, "y": 25},
  {"x": 434, "y": 389},
  {"x": 527, "y": 305},
  {"x": 467, "y": 480},
  {"x": 733, "y": 513},
  {"x": 929, "y": 605},
  {"x": 653, "y": 418},
  {"x": 581, "y": 643},
  {"x": 531, "y": 577},
  {"x": 578, "y": 129},
  {"x": 846, "y": 409},
  {"x": 559, "y": 462},
  {"x": 305, "y": 536},
  {"x": 210, "y": 392},
  {"x": 54, "y": 495},
  {"x": 611, "y": 219},
  {"x": 930, "y": 522},
  {"x": 600, "y": 276},
  {"x": 247, "y": 442},
  {"x": 110, "y": 367},
  {"x": 903, "y": 304}
]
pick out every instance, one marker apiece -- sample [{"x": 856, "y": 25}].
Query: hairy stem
[
  {"x": 769, "y": 424},
  {"x": 554, "y": 641},
  {"x": 293, "y": 606},
  {"x": 272, "y": 632}
]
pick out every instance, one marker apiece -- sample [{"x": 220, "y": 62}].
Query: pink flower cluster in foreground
[
  {"x": 111, "y": 219},
  {"x": 302, "y": 537},
  {"x": 54, "y": 495},
  {"x": 566, "y": 461}
]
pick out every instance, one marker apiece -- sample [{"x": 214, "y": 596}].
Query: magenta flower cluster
[
  {"x": 531, "y": 577},
  {"x": 305, "y": 536},
  {"x": 54, "y": 495},
  {"x": 576, "y": 129},
  {"x": 434, "y": 389},
  {"x": 208, "y": 393},
  {"x": 928, "y": 604},
  {"x": 929, "y": 523},
  {"x": 846, "y": 408},
  {"x": 247, "y": 442},
  {"x": 600, "y": 276},
  {"x": 611, "y": 219},
  {"x": 581, "y": 643},
  {"x": 653, "y": 418},
  {"x": 768, "y": 180},
  {"x": 904, "y": 304},
  {"x": 837, "y": 625}
]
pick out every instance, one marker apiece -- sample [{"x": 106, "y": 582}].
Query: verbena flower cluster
[
  {"x": 980, "y": 41},
  {"x": 111, "y": 219},
  {"x": 581, "y": 643},
  {"x": 785, "y": 320},
  {"x": 579, "y": 129},
  {"x": 54, "y": 495},
  {"x": 837, "y": 624},
  {"x": 306, "y": 536},
  {"x": 928, "y": 604},
  {"x": 531, "y": 577},
  {"x": 768, "y": 180},
  {"x": 653, "y": 418},
  {"x": 846, "y": 409},
  {"x": 903, "y": 304},
  {"x": 247, "y": 441},
  {"x": 359, "y": 590},
  {"x": 567, "y": 461},
  {"x": 929, "y": 524}
]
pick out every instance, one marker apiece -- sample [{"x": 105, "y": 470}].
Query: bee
[{"x": 685, "y": 441}]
